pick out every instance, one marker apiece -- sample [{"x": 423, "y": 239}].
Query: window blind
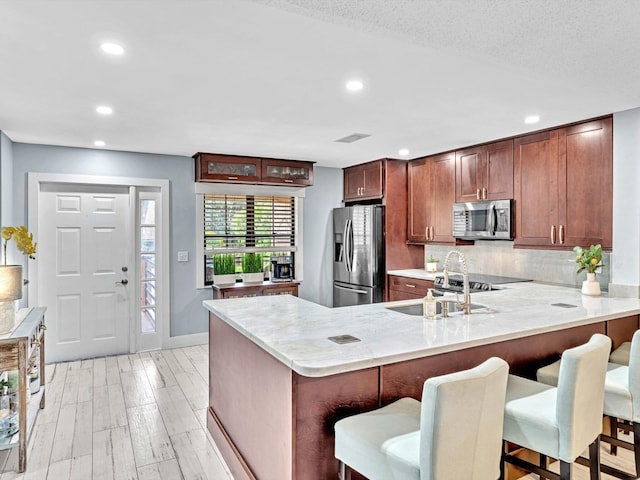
[{"x": 247, "y": 222}]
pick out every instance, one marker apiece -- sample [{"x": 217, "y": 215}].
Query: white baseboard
[{"x": 180, "y": 341}]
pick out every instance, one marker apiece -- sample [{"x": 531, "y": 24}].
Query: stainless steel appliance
[
  {"x": 477, "y": 283},
  {"x": 358, "y": 255},
  {"x": 490, "y": 220},
  {"x": 282, "y": 268}
]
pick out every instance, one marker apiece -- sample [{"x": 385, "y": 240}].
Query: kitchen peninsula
[{"x": 278, "y": 383}]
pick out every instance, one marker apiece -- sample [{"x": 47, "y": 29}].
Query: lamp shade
[{"x": 10, "y": 282}]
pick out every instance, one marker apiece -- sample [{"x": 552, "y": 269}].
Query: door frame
[{"x": 34, "y": 182}]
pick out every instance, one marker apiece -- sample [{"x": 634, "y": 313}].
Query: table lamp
[{"x": 10, "y": 292}]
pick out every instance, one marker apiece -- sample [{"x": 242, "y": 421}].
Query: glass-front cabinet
[
  {"x": 287, "y": 172},
  {"x": 227, "y": 168},
  {"x": 238, "y": 169}
]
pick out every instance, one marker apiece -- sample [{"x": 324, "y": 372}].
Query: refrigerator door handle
[
  {"x": 345, "y": 245},
  {"x": 349, "y": 245},
  {"x": 351, "y": 289}
]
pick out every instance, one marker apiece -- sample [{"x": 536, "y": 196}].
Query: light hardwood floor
[
  {"x": 140, "y": 417},
  {"x": 127, "y": 417}
]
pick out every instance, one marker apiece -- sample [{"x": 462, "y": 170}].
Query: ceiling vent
[{"x": 354, "y": 137}]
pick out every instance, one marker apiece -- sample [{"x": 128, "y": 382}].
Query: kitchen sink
[{"x": 417, "y": 309}]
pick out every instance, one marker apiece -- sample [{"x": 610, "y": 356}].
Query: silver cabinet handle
[
  {"x": 561, "y": 234},
  {"x": 478, "y": 194},
  {"x": 553, "y": 234},
  {"x": 409, "y": 285},
  {"x": 232, "y": 178},
  {"x": 484, "y": 193}
]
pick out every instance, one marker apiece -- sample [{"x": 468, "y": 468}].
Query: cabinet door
[
  {"x": 373, "y": 186},
  {"x": 497, "y": 170},
  {"x": 586, "y": 175},
  {"x": 469, "y": 165},
  {"x": 442, "y": 197},
  {"x": 281, "y": 290},
  {"x": 286, "y": 172},
  {"x": 419, "y": 201},
  {"x": 535, "y": 182},
  {"x": 227, "y": 168},
  {"x": 353, "y": 183}
]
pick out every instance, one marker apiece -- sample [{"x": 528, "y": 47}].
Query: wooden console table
[
  {"x": 16, "y": 349},
  {"x": 241, "y": 290}
]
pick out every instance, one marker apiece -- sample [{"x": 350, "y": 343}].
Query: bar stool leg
[
  {"x": 636, "y": 446},
  {"x": 344, "y": 472},
  {"x": 594, "y": 459},
  {"x": 565, "y": 470},
  {"x": 613, "y": 422},
  {"x": 543, "y": 461},
  {"x": 502, "y": 460}
]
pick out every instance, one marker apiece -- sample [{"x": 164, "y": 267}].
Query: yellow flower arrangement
[
  {"x": 590, "y": 259},
  {"x": 22, "y": 237}
]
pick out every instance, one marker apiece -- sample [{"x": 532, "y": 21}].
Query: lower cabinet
[
  {"x": 242, "y": 290},
  {"x": 405, "y": 288}
]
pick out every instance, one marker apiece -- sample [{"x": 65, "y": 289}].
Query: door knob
[
  {"x": 125, "y": 269},
  {"x": 123, "y": 282}
]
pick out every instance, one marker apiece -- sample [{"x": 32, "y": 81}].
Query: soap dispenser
[{"x": 429, "y": 305}]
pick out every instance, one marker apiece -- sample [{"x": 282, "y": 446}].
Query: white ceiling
[{"x": 266, "y": 77}]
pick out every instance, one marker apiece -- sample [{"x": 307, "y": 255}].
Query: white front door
[{"x": 85, "y": 256}]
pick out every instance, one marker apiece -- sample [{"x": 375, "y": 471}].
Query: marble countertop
[
  {"x": 420, "y": 274},
  {"x": 296, "y": 331}
]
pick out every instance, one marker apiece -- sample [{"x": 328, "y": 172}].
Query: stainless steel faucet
[{"x": 466, "y": 304}]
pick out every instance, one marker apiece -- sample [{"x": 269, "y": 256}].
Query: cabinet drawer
[{"x": 413, "y": 286}]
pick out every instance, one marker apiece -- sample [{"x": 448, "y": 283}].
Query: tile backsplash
[{"x": 500, "y": 258}]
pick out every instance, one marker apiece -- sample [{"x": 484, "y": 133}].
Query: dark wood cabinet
[
  {"x": 241, "y": 290},
  {"x": 212, "y": 167},
  {"x": 485, "y": 172},
  {"x": 405, "y": 288},
  {"x": 287, "y": 172},
  {"x": 227, "y": 168},
  {"x": 586, "y": 178},
  {"x": 431, "y": 197},
  {"x": 563, "y": 185},
  {"x": 364, "y": 182}
]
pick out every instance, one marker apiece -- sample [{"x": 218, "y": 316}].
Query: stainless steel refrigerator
[{"x": 358, "y": 255}]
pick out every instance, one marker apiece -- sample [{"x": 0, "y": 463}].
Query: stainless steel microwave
[{"x": 490, "y": 220}]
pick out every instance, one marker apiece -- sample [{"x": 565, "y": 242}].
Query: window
[
  {"x": 147, "y": 255},
  {"x": 239, "y": 224}
]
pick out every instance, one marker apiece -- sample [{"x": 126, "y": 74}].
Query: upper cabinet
[
  {"x": 431, "y": 184},
  {"x": 485, "y": 172},
  {"x": 563, "y": 186},
  {"x": 364, "y": 182},
  {"x": 287, "y": 172},
  {"x": 237, "y": 169}
]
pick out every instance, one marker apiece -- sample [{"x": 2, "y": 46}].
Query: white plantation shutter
[{"x": 249, "y": 223}]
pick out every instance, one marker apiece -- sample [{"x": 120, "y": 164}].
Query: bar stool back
[
  {"x": 454, "y": 433},
  {"x": 560, "y": 422}
]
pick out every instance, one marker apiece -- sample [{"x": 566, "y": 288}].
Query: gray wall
[
  {"x": 6, "y": 180},
  {"x": 319, "y": 202},
  {"x": 187, "y": 314}
]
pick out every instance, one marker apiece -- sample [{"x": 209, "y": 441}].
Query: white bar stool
[
  {"x": 621, "y": 400},
  {"x": 560, "y": 422},
  {"x": 454, "y": 433}
]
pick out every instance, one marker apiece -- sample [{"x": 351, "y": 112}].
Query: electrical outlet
[{"x": 183, "y": 256}]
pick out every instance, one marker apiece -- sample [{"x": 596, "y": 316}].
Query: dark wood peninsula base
[{"x": 271, "y": 423}]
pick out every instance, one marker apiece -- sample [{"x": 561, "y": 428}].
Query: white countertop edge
[{"x": 307, "y": 369}]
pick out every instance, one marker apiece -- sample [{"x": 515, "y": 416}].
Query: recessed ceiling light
[
  {"x": 532, "y": 119},
  {"x": 104, "y": 110},
  {"x": 354, "y": 85},
  {"x": 112, "y": 48},
  {"x": 99, "y": 143},
  {"x": 403, "y": 152}
]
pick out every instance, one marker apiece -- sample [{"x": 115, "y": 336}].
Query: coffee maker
[{"x": 282, "y": 268}]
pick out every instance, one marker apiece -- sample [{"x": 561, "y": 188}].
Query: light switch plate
[{"x": 183, "y": 256}]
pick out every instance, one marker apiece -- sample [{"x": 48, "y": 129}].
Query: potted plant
[
  {"x": 589, "y": 260},
  {"x": 224, "y": 269},
  {"x": 432, "y": 264},
  {"x": 252, "y": 268}
]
